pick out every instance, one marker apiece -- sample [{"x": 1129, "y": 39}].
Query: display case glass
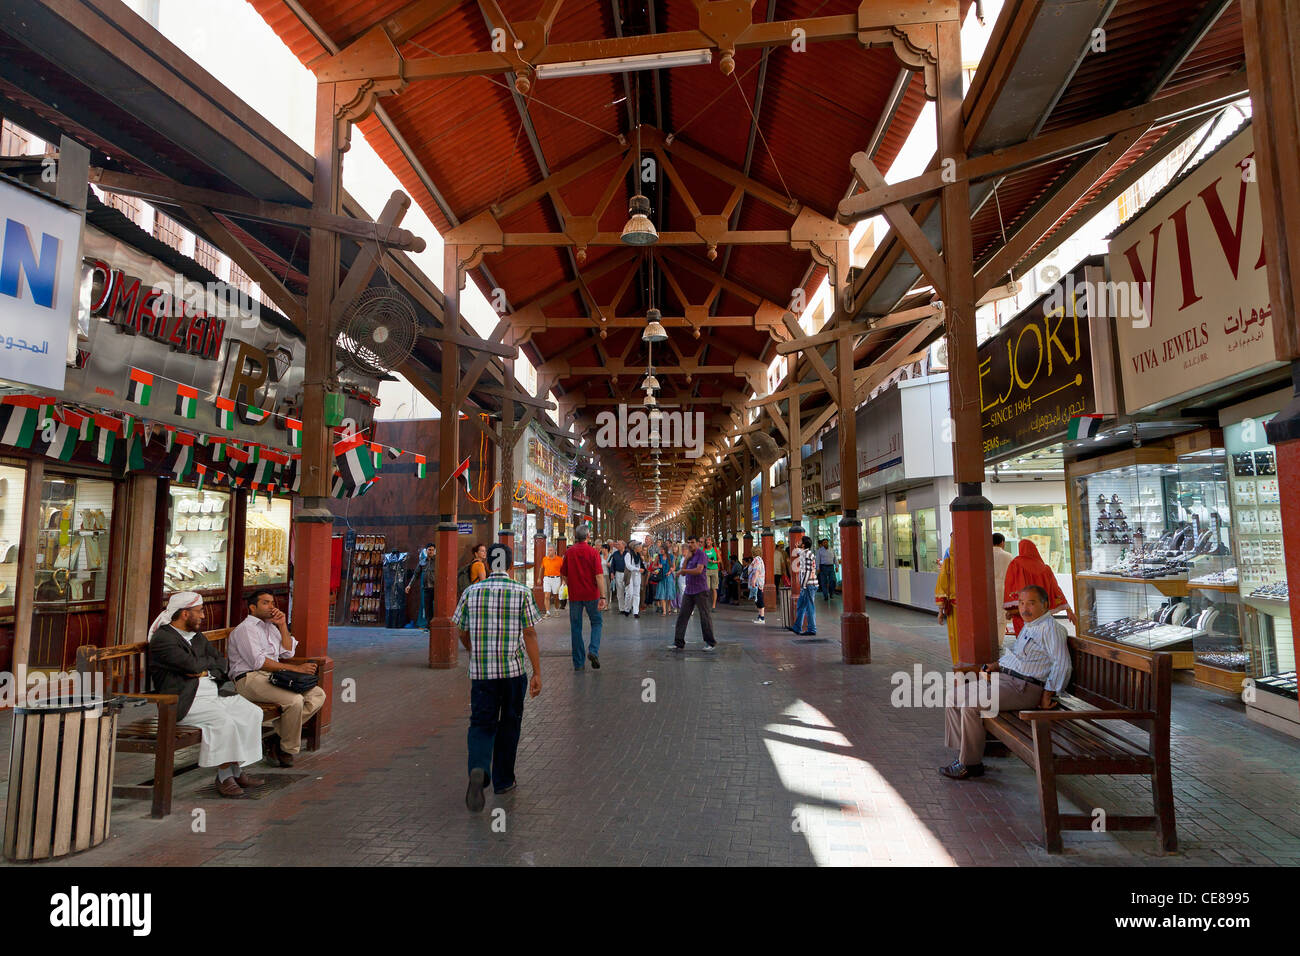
[
  {"x": 900, "y": 529},
  {"x": 72, "y": 544},
  {"x": 928, "y": 552},
  {"x": 1134, "y": 544},
  {"x": 876, "y": 541},
  {"x": 1261, "y": 565},
  {"x": 13, "y": 487},
  {"x": 198, "y": 539},
  {"x": 266, "y": 540}
]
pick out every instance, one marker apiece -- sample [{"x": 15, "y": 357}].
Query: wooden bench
[
  {"x": 1109, "y": 685},
  {"x": 126, "y": 674}
]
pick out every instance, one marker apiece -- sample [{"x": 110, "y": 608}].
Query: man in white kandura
[{"x": 182, "y": 662}]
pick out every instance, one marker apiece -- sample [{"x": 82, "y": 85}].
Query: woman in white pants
[{"x": 635, "y": 565}]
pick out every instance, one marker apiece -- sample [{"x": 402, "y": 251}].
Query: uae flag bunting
[
  {"x": 201, "y": 471},
  {"x": 19, "y": 415},
  {"x": 105, "y": 437},
  {"x": 254, "y": 452},
  {"x": 217, "y": 448},
  {"x": 254, "y": 415},
  {"x": 225, "y": 413},
  {"x": 263, "y": 472},
  {"x": 378, "y": 452},
  {"x": 1083, "y": 426},
  {"x": 184, "y": 462},
  {"x": 294, "y": 428},
  {"x": 63, "y": 443},
  {"x": 80, "y": 422},
  {"x": 139, "y": 387},
  {"x": 355, "y": 461},
  {"x": 461, "y": 472},
  {"x": 187, "y": 401},
  {"x": 275, "y": 457},
  {"x": 420, "y": 467},
  {"x": 238, "y": 457},
  {"x": 395, "y": 453},
  {"x": 293, "y": 478},
  {"x": 134, "y": 453}
]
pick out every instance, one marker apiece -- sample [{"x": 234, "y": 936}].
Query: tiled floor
[{"x": 768, "y": 752}]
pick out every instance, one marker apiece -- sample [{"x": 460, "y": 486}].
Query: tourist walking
[
  {"x": 584, "y": 575},
  {"x": 826, "y": 569},
  {"x": 633, "y": 568},
  {"x": 711, "y": 567},
  {"x": 497, "y": 618},
  {"x": 803, "y": 580},
  {"x": 666, "y": 585},
  {"x": 758, "y": 581},
  {"x": 945, "y": 596},
  {"x": 617, "y": 572},
  {"x": 695, "y": 596}
]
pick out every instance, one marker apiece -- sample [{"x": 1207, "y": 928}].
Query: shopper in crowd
[
  {"x": 781, "y": 565},
  {"x": 497, "y": 618},
  {"x": 711, "y": 567},
  {"x": 1027, "y": 677},
  {"x": 695, "y": 596},
  {"x": 733, "y": 581},
  {"x": 803, "y": 580},
  {"x": 758, "y": 581},
  {"x": 551, "y": 577},
  {"x": 184, "y": 664},
  {"x": 258, "y": 647},
  {"x": 617, "y": 573},
  {"x": 478, "y": 564},
  {"x": 826, "y": 569},
  {"x": 425, "y": 575},
  {"x": 395, "y": 590},
  {"x": 945, "y": 596},
  {"x": 1028, "y": 568},
  {"x": 679, "y": 559},
  {"x": 666, "y": 586},
  {"x": 583, "y": 572},
  {"x": 633, "y": 568},
  {"x": 1001, "y": 563}
]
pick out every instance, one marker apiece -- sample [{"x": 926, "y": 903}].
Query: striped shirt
[
  {"x": 496, "y": 611},
  {"x": 1041, "y": 651}
]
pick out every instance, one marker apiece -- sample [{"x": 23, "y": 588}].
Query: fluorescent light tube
[{"x": 624, "y": 64}]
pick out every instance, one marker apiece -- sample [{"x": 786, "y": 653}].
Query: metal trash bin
[
  {"x": 787, "y": 609},
  {"x": 60, "y": 777}
]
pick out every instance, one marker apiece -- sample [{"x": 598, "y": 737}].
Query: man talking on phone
[{"x": 497, "y": 619}]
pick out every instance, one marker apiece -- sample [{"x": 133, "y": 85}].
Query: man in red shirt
[{"x": 584, "y": 573}]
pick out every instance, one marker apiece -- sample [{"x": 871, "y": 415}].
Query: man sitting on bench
[
  {"x": 182, "y": 662},
  {"x": 257, "y": 648},
  {"x": 1026, "y": 678}
]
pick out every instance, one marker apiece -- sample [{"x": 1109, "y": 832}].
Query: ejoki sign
[
  {"x": 1050, "y": 363},
  {"x": 1200, "y": 248}
]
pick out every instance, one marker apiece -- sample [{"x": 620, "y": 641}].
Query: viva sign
[
  {"x": 38, "y": 286},
  {"x": 1200, "y": 249}
]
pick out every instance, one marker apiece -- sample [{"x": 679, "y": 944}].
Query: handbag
[{"x": 295, "y": 682}]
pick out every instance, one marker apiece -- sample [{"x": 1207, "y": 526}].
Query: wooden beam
[
  {"x": 294, "y": 309},
  {"x": 367, "y": 260},
  {"x": 813, "y": 356},
  {"x": 906, "y": 228},
  {"x": 783, "y": 394},
  {"x": 517, "y": 394},
  {"x": 177, "y": 194},
  {"x": 481, "y": 360},
  {"x": 893, "y": 320},
  {"x": 471, "y": 341}
]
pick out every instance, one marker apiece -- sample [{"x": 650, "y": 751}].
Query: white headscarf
[{"x": 179, "y": 602}]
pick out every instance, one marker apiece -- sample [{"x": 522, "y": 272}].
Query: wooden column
[
  {"x": 561, "y": 536},
  {"x": 314, "y": 522},
  {"x": 1272, "y": 38},
  {"x": 769, "y": 538},
  {"x": 795, "y": 484},
  {"x": 539, "y": 552},
  {"x": 506, "y": 532},
  {"x": 855, "y": 629},
  {"x": 972, "y": 513},
  {"x": 747, "y": 463},
  {"x": 142, "y": 515},
  {"x": 444, "y": 639}
]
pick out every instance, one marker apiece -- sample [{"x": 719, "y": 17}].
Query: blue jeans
[
  {"x": 575, "y": 630},
  {"x": 496, "y": 714},
  {"x": 806, "y": 606},
  {"x": 826, "y": 580}
]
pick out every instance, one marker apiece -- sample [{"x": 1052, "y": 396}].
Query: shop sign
[
  {"x": 131, "y": 319},
  {"x": 880, "y": 445},
  {"x": 545, "y": 473},
  {"x": 464, "y": 527},
  {"x": 1200, "y": 249},
  {"x": 1049, "y": 364},
  {"x": 38, "y": 287}
]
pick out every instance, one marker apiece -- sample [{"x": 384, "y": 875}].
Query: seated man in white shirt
[
  {"x": 1027, "y": 677},
  {"x": 257, "y": 648}
]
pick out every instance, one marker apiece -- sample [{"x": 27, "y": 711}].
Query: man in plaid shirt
[{"x": 496, "y": 618}]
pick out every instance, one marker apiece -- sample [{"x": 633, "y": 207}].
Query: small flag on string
[
  {"x": 1083, "y": 426},
  {"x": 294, "y": 428},
  {"x": 106, "y": 437},
  {"x": 238, "y": 457},
  {"x": 355, "y": 461},
  {"x": 216, "y": 447},
  {"x": 294, "y": 479},
  {"x": 187, "y": 401},
  {"x": 83, "y": 424},
  {"x": 139, "y": 387},
  {"x": 63, "y": 443},
  {"x": 184, "y": 462},
  {"x": 225, "y": 413},
  {"x": 377, "y": 451},
  {"x": 461, "y": 472},
  {"x": 254, "y": 415},
  {"x": 134, "y": 453},
  {"x": 19, "y": 418},
  {"x": 263, "y": 472},
  {"x": 420, "y": 470},
  {"x": 394, "y": 453},
  {"x": 202, "y": 471}
]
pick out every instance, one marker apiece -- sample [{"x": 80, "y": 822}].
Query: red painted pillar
[
  {"x": 539, "y": 552},
  {"x": 855, "y": 628},
  {"x": 748, "y": 545},
  {"x": 444, "y": 636},
  {"x": 972, "y": 525},
  {"x": 311, "y": 597}
]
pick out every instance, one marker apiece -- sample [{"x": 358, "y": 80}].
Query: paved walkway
[{"x": 767, "y": 752}]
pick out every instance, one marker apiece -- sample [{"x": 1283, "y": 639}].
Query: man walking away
[
  {"x": 826, "y": 569},
  {"x": 803, "y": 576},
  {"x": 497, "y": 619},
  {"x": 695, "y": 597},
  {"x": 584, "y": 574},
  {"x": 617, "y": 566},
  {"x": 551, "y": 576}
]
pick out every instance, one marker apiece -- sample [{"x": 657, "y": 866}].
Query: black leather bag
[{"x": 295, "y": 682}]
